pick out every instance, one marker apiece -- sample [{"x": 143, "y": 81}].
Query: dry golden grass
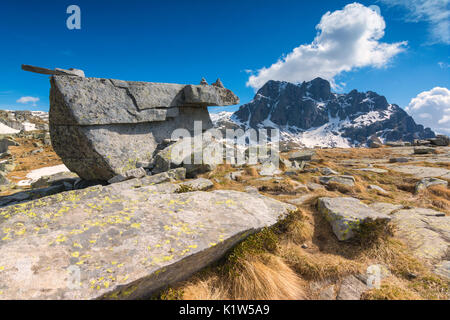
[
  {"x": 334, "y": 154},
  {"x": 437, "y": 197},
  {"x": 317, "y": 265},
  {"x": 264, "y": 277},
  {"x": 210, "y": 288},
  {"x": 392, "y": 289},
  {"x": 26, "y": 162},
  {"x": 251, "y": 171},
  {"x": 440, "y": 191}
]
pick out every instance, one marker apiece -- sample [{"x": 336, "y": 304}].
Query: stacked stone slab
[{"x": 103, "y": 127}]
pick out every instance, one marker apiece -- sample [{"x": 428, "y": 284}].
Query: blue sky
[{"x": 183, "y": 41}]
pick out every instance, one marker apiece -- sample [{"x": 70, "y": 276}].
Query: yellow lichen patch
[{"x": 75, "y": 254}]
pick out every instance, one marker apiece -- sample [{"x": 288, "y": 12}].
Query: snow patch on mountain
[{"x": 311, "y": 115}]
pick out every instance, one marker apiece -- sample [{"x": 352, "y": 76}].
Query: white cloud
[
  {"x": 435, "y": 12},
  {"x": 25, "y": 100},
  {"x": 346, "y": 39},
  {"x": 432, "y": 109}
]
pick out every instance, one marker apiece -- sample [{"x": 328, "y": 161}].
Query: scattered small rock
[
  {"x": 328, "y": 172},
  {"x": 377, "y": 188},
  {"x": 398, "y": 160},
  {"x": 314, "y": 186},
  {"x": 302, "y": 155},
  {"x": 374, "y": 170},
  {"x": 136, "y": 173},
  {"x": 345, "y": 180},
  {"x": 385, "y": 208},
  {"x": 347, "y": 215},
  {"x": 424, "y": 150}
]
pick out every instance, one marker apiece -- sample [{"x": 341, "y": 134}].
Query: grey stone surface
[
  {"x": 426, "y": 231},
  {"x": 328, "y": 172},
  {"x": 351, "y": 288},
  {"x": 421, "y": 172},
  {"x": 3, "y": 180},
  {"x": 373, "y": 170},
  {"x": 252, "y": 190},
  {"x": 269, "y": 169},
  {"x": 398, "y": 160},
  {"x": 385, "y": 208},
  {"x": 302, "y": 155},
  {"x": 58, "y": 178},
  {"x": 396, "y": 144},
  {"x": 194, "y": 157},
  {"x": 7, "y": 165},
  {"x": 200, "y": 184},
  {"x": 135, "y": 173},
  {"x": 5, "y": 143},
  {"x": 346, "y": 180},
  {"x": 424, "y": 150},
  {"x": 314, "y": 186},
  {"x": 301, "y": 200},
  {"x": 102, "y": 128},
  {"x": 443, "y": 269},
  {"x": 124, "y": 243},
  {"x": 235, "y": 175},
  {"x": 57, "y": 71},
  {"x": 117, "y": 179},
  {"x": 440, "y": 140},
  {"x": 377, "y": 188},
  {"x": 346, "y": 215}
]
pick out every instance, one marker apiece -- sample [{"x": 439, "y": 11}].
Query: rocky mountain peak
[{"x": 311, "y": 114}]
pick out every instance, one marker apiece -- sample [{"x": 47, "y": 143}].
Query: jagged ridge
[{"x": 309, "y": 113}]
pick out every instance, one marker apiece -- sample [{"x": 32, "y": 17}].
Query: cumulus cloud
[
  {"x": 435, "y": 12},
  {"x": 432, "y": 109},
  {"x": 346, "y": 39},
  {"x": 25, "y": 100}
]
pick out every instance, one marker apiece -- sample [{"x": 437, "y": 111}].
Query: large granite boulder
[
  {"x": 102, "y": 128},
  {"x": 122, "y": 241}
]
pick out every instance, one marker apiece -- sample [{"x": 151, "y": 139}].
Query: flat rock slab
[
  {"x": 117, "y": 242},
  {"x": 385, "y": 208},
  {"x": 421, "y": 172},
  {"x": 346, "y": 215},
  {"x": 426, "y": 231},
  {"x": 302, "y": 155},
  {"x": 373, "y": 170},
  {"x": 346, "y": 180}
]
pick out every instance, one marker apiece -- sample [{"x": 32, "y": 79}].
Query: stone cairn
[{"x": 103, "y": 128}]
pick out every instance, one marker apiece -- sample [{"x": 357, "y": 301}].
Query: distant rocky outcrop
[
  {"x": 12, "y": 122},
  {"x": 311, "y": 114}
]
